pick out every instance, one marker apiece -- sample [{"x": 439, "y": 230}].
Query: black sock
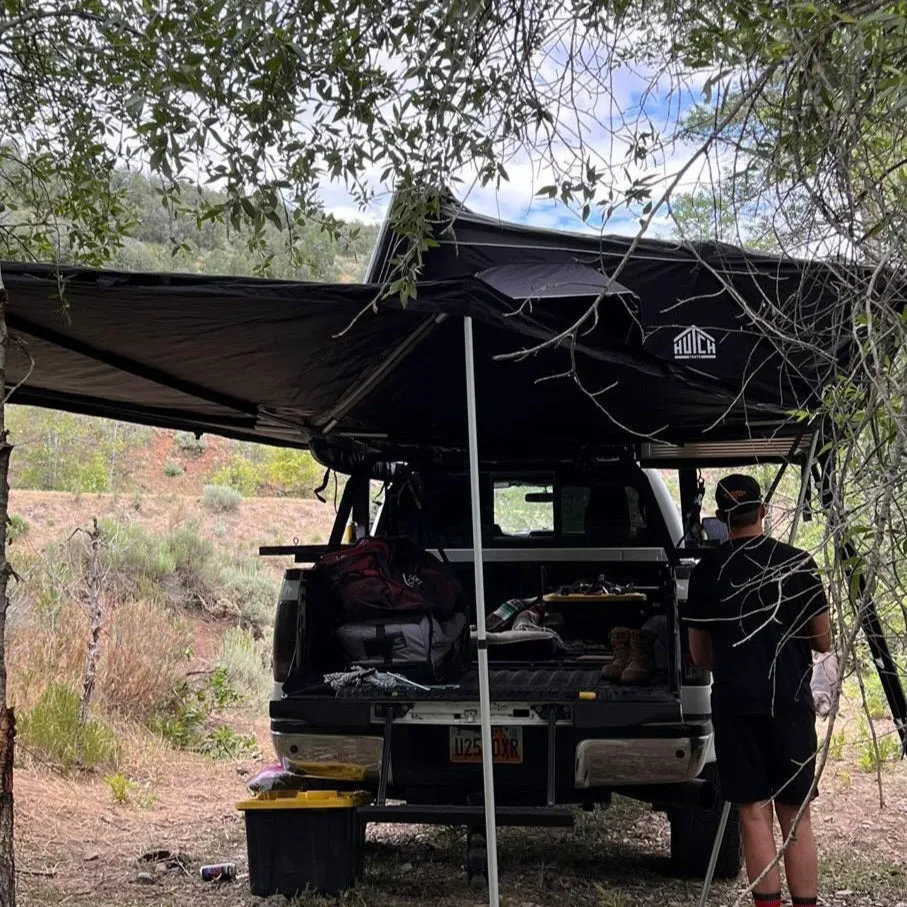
[{"x": 803, "y": 902}]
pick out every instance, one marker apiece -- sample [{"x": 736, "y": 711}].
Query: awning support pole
[
  {"x": 804, "y": 484},
  {"x": 713, "y": 858},
  {"x": 491, "y": 840}
]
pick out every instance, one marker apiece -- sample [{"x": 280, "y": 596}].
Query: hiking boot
[
  {"x": 641, "y": 665},
  {"x": 620, "y": 642}
]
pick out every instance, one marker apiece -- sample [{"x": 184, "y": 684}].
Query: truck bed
[{"x": 520, "y": 684}]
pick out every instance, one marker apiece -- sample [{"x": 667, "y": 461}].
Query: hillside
[
  {"x": 160, "y": 235},
  {"x": 51, "y": 518}
]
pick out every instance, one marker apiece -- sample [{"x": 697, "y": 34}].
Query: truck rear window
[
  {"x": 601, "y": 514},
  {"x": 604, "y": 511},
  {"x": 523, "y": 508}
]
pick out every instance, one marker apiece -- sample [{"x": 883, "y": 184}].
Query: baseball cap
[{"x": 735, "y": 491}]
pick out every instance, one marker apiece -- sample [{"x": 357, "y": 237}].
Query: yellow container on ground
[
  {"x": 306, "y": 799},
  {"x": 304, "y": 840}
]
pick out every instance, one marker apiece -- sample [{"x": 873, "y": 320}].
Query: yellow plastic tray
[{"x": 556, "y": 597}]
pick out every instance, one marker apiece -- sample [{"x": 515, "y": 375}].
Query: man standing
[{"x": 756, "y": 611}]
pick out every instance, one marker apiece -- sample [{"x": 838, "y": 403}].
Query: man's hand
[{"x": 701, "y": 648}]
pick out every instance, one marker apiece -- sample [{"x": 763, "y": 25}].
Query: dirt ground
[{"x": 77, "y": 847}]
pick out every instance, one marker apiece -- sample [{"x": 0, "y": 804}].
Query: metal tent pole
[
  {"x": 713, "y": 859},
  {"x": 804, "y": 484},
  {"x": 482, "y": 643}
]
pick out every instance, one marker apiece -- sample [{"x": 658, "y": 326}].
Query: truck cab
[{"x": 596, "y": 545}]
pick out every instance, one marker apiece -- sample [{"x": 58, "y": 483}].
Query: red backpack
[{"x": 376, "y": 577}]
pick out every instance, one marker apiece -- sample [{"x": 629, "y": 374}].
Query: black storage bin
[{"x": 298, "y": 840}]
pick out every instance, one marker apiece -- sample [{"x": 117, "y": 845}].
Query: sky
[{"x": 631, "y": 99}]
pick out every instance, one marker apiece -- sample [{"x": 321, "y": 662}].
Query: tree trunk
[
  {"x": 95, "y": 613},
  {"x": 7, "y": 718}
]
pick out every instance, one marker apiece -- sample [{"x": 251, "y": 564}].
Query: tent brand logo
[{"x": 694, "y": 343}]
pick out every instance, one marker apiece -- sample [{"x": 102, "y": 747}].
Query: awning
[{"x": 283, "y": 362}]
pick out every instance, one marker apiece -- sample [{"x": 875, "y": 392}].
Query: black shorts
[{"x": 763, "y": 757}]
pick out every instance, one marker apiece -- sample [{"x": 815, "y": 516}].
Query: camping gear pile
[
  {"x": 398, "y": 619},
  {"x": 396, "y": 608}
]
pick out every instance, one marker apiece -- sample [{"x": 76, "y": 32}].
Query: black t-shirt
[{"x": 755, "y": 597}]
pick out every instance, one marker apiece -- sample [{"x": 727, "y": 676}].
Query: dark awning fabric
[{"x": 282, "y": 362}]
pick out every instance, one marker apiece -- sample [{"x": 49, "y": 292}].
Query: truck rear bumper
[
  {"x": 598, "y": 763},
  {"x": 634, "y": 761},
  {"x": 340, "y": 757}
]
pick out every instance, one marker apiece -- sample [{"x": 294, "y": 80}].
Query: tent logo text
[{"x": 694, "y": 343}]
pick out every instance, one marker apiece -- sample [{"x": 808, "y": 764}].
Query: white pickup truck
[{"x": 570, "y": 737}]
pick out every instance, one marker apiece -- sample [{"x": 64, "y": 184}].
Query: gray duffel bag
[{"x": 419, "y": 646}]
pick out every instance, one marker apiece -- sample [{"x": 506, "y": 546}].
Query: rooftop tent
[{"x": 715, "y": 309}]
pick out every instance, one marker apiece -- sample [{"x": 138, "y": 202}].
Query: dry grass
[
  {"x": 143, "y": 655},
  {"x": 613, "y": 858}
]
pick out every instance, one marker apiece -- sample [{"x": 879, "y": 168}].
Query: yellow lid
[
  {"x": 339, "y": 771},
  {"x": 306, "y": 799}
]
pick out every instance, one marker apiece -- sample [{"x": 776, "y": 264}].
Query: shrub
[
  {"x": 245, "y": 661},
  {"x": 250, "y": 593},
  {"x": 870, "y": 760},
  {"x": 220, "y": 498},
  {"x": 181, "y": 724},
  {"x": 136, "y": 562},
  {"x": 52, "y": 730},
  {"x": 120, "y": 787},
  {"x": 240, "y": 473},
  {"x": 16, "y": 527},
  {"x": 186, "y": 724},
  {"x": 293, "y": 473},
  {"x": 224, "y": 743},
  {"x": 871, "y": 698},
  {"x": 193, "y": 562},
  {"x": 172, "y": 469},
  {"x": 177, "y": 568},
  {"x": 223, "y": 693},
  {"x": 876, "y": 704},
  {"x": 187, "y": 443}
]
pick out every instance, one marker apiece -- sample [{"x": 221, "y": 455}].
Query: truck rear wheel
[{"x": 693, "y": 834}]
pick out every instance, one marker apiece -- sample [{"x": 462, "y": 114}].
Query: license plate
[{"x": 506, "y": 745}]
